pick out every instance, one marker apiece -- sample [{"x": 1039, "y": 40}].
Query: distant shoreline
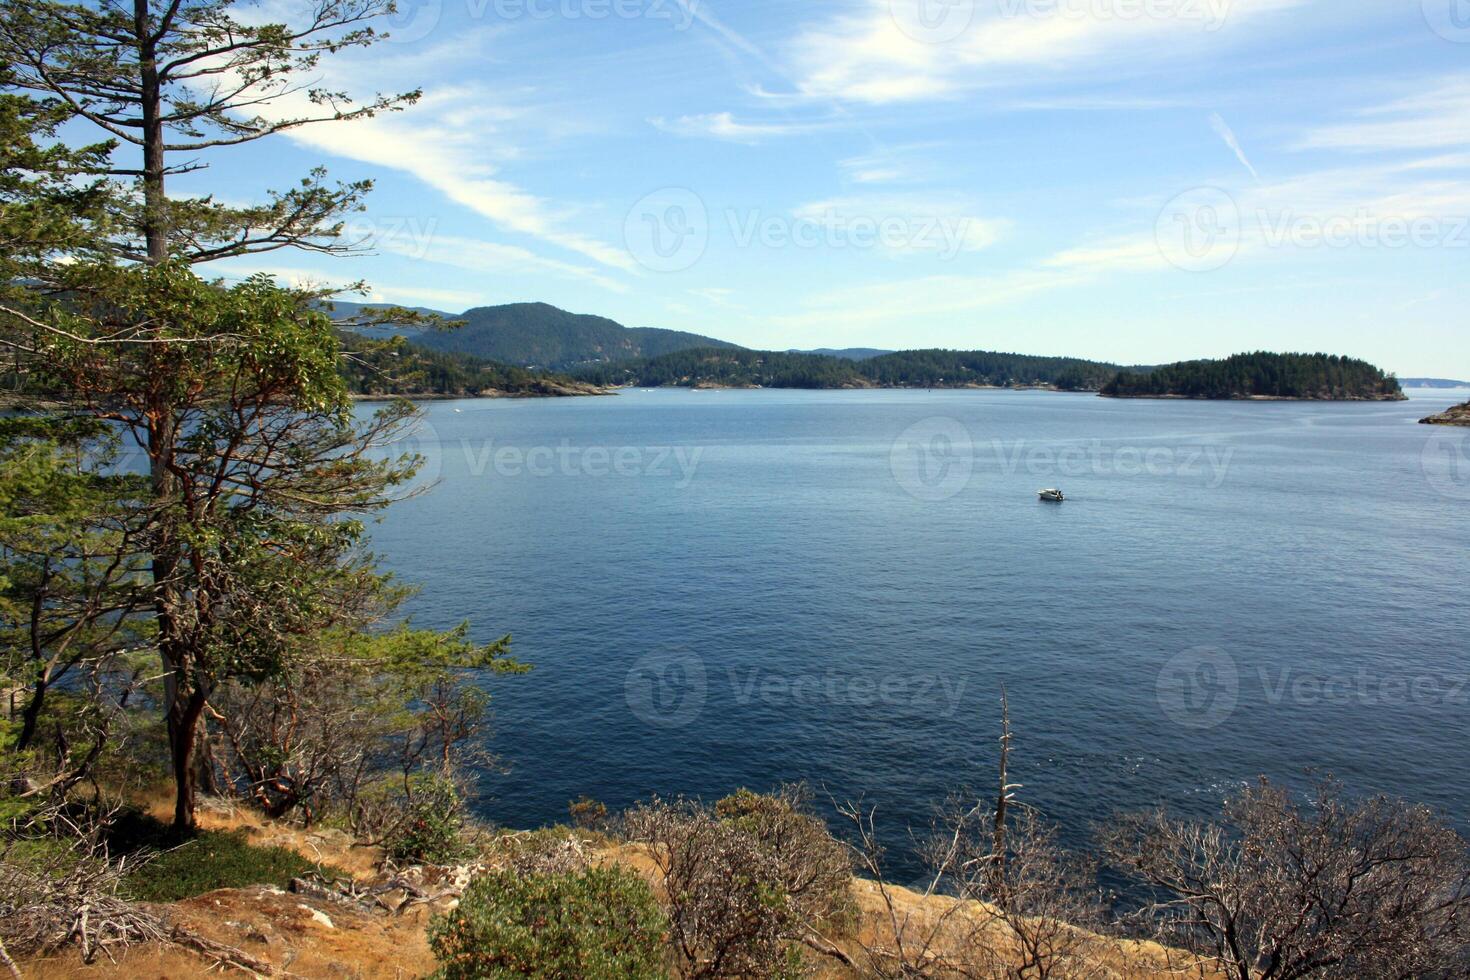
[
  {"x": 1259, "y": 398},
  {"x": 1454, "y": 415}
]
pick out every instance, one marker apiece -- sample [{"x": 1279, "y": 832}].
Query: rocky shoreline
[
  {"x": 541, "y": 389},
  {"x": 1400, "y": 397},
  {"x": 1458, "y": 415}
]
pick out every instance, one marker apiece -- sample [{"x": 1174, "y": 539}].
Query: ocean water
[{"x": 742, "y": 588}]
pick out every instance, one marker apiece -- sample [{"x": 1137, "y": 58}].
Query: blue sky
[{"x": 1132, "y": 180}]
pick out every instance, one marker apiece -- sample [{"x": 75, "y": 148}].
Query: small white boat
[{"x": 1054, "y": 495}]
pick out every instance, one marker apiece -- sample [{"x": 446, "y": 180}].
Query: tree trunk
[
  {"x": 155, "y": 217},
  {"x": 30, "y": 716},
  {"x": 183, "y": 736},
  {"x": 184, "y": 704}
]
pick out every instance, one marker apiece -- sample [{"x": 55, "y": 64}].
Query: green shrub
[
  {"x": 587, "y": 813},
  {"x": 599, "y": 922},
  {"x": 430, "y": 832},
  {"x": 812, "y": 866},
  {"x": 215, "y": 859}
]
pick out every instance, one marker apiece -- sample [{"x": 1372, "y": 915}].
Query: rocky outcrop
[{"x": 1459, "y": 415}]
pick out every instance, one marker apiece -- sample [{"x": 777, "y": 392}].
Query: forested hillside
[
  {"x": 1261, "y": 375},
  {"x": 382, "y": 368},
  {"x": 948, "y": 368},
  {"x": 904, "y": 369},
  {"x": 542, "y": 336},
  {"x": 734, "y": 367}
]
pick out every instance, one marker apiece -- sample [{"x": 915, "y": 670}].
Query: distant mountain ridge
[
  {"x": 742, "y": 368},
  {"x": 534, "y": 335},
  {"x": 1433, "y": 383},
  {"x": 551, "y": 343},
  {"x": 846, "y": 353},
  {"x": 539, "y": 335}
]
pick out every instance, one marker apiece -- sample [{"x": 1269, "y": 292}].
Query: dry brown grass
[{"x": 279, "y": 928}]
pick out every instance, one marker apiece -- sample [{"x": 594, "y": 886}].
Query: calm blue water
[{"x": 740, "y": 588}]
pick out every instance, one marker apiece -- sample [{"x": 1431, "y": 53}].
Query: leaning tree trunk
[
  {"x": 183, "y": 737},
  {"x": 185, "y": 700}
]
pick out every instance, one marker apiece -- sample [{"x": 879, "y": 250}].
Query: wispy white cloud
[
  {"x": 1363, "y": 206},
  {"x": 444, "y": 144},
  {"x": 717, "y": 296},
  {"x": 904, "y": 163},
  {"x": 456, "y": 139},
  {"x": 702, "y": 12},
  {"x": 449, "y": 300},
  {"x": 490, "y": 258},
  {"x": 898, "y": 304},
  {"x": 1436, "y": 119},
  {"x": 724, "y": 126},
  {"x": 1223, "y": 130},
  {"x": 887, "y": 52},
  {"x": 907, "y": 223}
]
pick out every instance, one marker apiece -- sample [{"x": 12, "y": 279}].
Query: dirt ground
[{"x": 307, "y": 936}]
